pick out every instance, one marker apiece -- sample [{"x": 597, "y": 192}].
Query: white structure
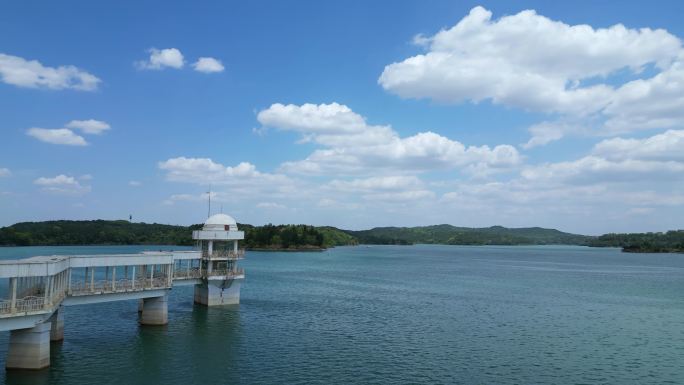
[
  {"x": 218, "y": 241},
  {"x": 40, "y": 287}
]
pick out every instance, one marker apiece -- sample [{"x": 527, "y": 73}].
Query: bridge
[{"x": 39, "y": 287}]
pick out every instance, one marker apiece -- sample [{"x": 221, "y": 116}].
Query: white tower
[{"x": 221, "y": 277}]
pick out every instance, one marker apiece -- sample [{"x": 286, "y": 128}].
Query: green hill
[
  {"x": 98, "y": 232},
  {"x": 101, "y": 232},
  {"x": 452, "y": 235},
  {"x": 304, "y": 237},
  {"x": 669, "y": 242}
]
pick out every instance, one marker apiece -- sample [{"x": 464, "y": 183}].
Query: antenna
[
  {"x": 209, "y": 194},
  {"x": 222, "y": 208}
]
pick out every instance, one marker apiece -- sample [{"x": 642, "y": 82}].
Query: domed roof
[{"x": 220, "y": 222}]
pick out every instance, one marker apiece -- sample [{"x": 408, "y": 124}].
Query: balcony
[
  {"x": 228, "y": 273},
  {"x": 224, "y": 255}
]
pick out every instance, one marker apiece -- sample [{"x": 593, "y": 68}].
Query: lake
[{"x": 393, "y": 314}]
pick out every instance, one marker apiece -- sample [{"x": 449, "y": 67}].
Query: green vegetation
[
  {"x": 101, "y": 232},
  {"x": 669, "y": 242},
  {"x": 293, "y": 237},
  {"x": 304, "y": 237},
  {"x": 452, "y": 235}
]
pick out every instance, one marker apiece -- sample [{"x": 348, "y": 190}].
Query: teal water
[{"x": 394, "y": 314}]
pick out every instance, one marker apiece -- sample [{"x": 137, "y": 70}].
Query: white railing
[
  {"x": 224, "y": 254},
  {"x": 118, "y": 286},
  {"x": 24, "y": 305},
  {"x": 187, "y": 274},
  {"x": 227, "y": 272}
]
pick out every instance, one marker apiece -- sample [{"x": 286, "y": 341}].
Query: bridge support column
[
  {"x": 57, "y": 328},
  {"x": 216, "y": 293},
  {"x": 155, "y": 311},
  {"x": 29, "y": 348}
]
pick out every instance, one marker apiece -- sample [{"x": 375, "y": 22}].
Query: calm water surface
[{"x": 394, "y": 314}]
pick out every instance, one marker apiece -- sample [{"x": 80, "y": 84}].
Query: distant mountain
[
  {"x": 304, "y": 237},
  {"x": 452, "y": 235}
]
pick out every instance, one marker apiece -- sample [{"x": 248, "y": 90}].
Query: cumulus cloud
[
  {"x": 354, "y": 147},
  {"x": 162, "y": 58},
  {"x": 242, "y": 181},
  {"x": 668, "y": 146},
  {"x": 657, "y": 102},
  {"x": 62, "y": 184},
  {"x": 526, "y": 60},
  {"x": 206, "y": 171},
  {"x": 5, "y": 172},
  {"x": 90, "y": 126},
  {"x": 20, "y": 72},
  {"x": 393, "y": 188},
  {"x": 57, "y": 136},
  {"x": 531, "y": 62},
  {"x": 593, "y": 169},
  {"x": 208, "y": 65}
]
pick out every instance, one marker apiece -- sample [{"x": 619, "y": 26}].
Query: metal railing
[
  {"x": 24, "y": 305},
  {"x": 224, "y": 254},
  {"x": 195, "y": 272},
  {"x": 227, "y": 272},
  {"x": 118, "y": 286}
]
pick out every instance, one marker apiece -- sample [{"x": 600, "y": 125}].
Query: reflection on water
[{"x": 419, "y": 314}]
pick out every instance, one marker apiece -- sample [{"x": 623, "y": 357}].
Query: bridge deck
[{"x": 39, "y": 285}]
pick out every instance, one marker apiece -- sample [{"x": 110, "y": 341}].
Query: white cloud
[
  {"x": 399, "y": 182},
  {"x": 657, "y": 102},
  {"x": 206, "y": 171},
  {"x": 20, "y": 72},
  {"x": 90, "y": 126},
  {"x": 270, "y": 205},
  {"x": 354, "y": 147},
  {"x": 160, "y": 59},
  {"x": 57, "y": 136},
  {"x": 86, "y": 177},
  {"x": 5, "y": 172},
  {"x": 242, "y": 181},
  {"x": 208, "y": 65},
  {"x": 531, "y": 62},
  {"x": 62, "y": 184},
  {"x": 668, "y": 146},
  {"x": 400, "y": 196},
  {"x": 134, "y": 183},
  {"x": 593, "y": 169},
  {"x": 394, "y": 188},
  {"x": 528, "y": 61},
  {"x": 546, "y": 132}
]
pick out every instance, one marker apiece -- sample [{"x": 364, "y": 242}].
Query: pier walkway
[{"x": 39, "y": 287}]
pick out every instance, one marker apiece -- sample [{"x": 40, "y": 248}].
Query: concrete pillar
[
  {"x": 155, "y": 311},
  {"x": 217, "y": 293},
  {"x": 29, "y": 348},
  {"x": 57, "y": 327},
  {"x": 141, "y": 303},
  {"x": 92, "y": 279},
  {"x": 114, "y": 279},
  {"x": 133, "y": 279},
  {"x": 13, "y": 288}
]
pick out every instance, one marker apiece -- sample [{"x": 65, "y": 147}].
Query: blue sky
[{"x": 353, "y": 114}]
